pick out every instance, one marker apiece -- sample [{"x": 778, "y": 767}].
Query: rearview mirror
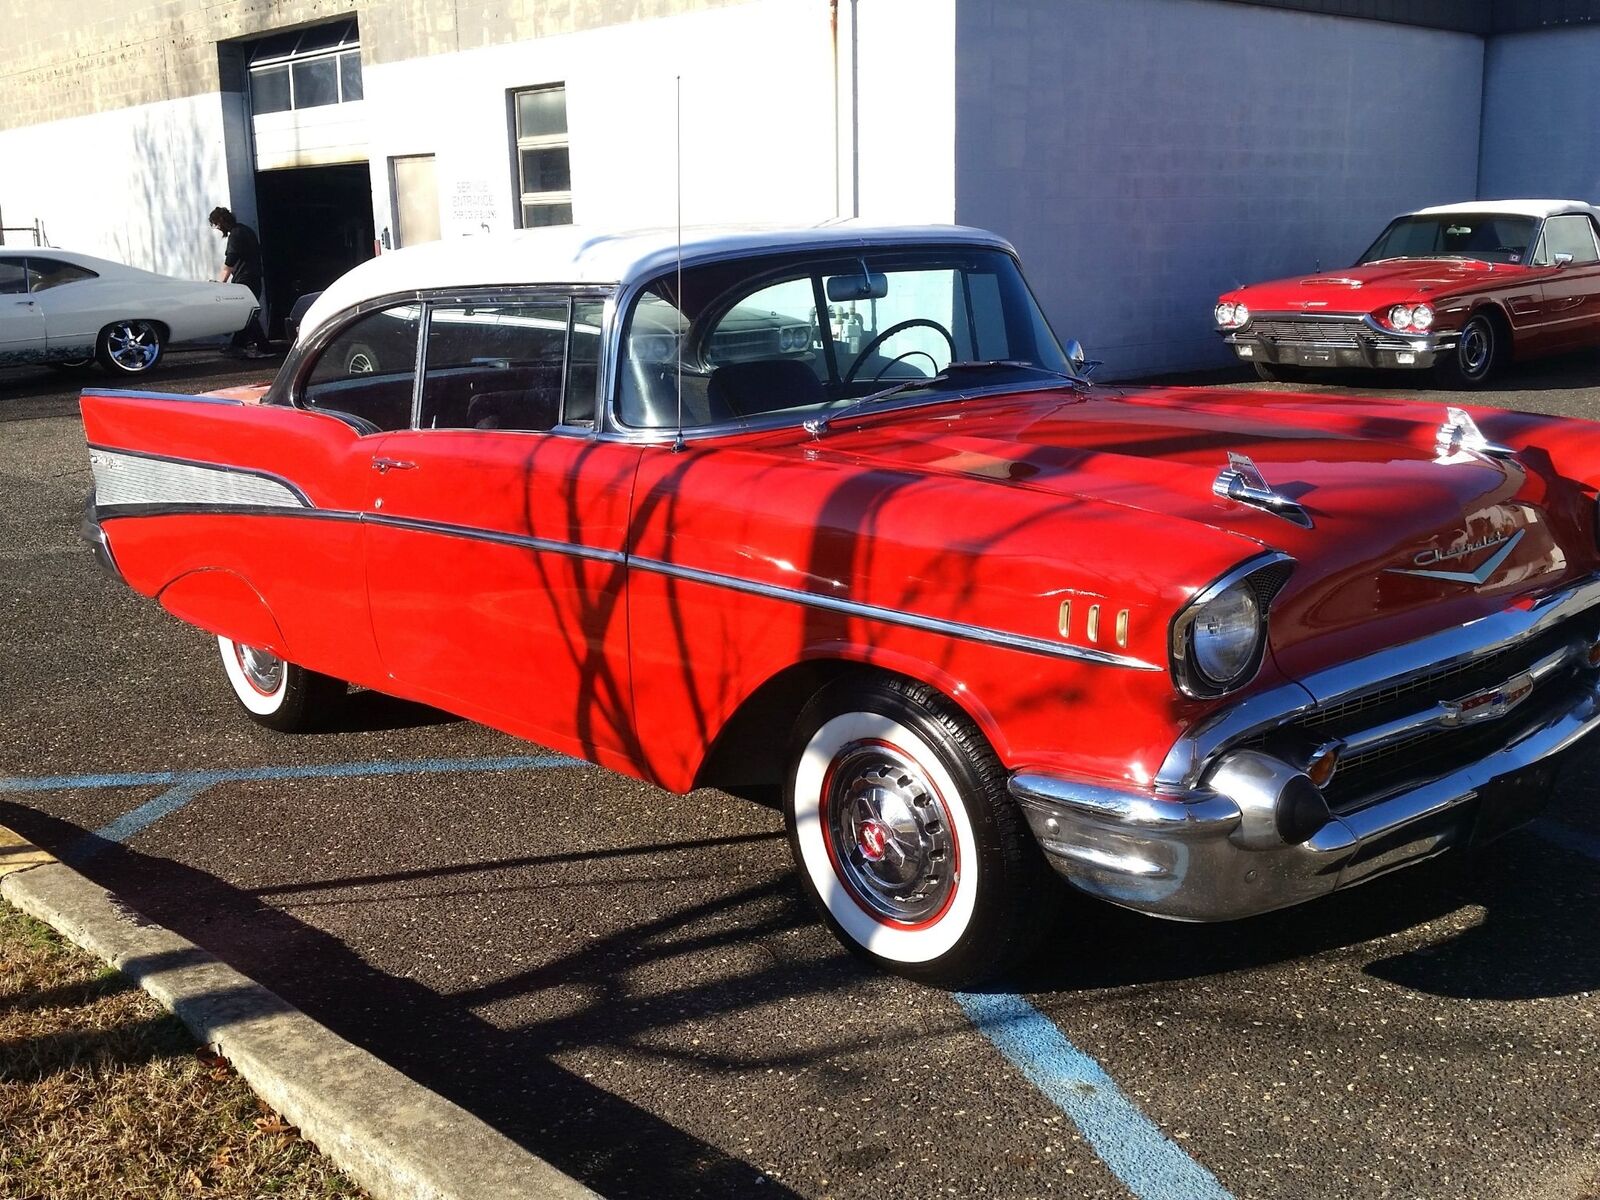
[{"x": 866, "y": 286}]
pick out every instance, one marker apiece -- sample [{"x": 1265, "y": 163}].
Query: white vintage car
[{"x": 57, "y": 306}]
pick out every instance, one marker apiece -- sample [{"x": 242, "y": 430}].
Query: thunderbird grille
[{"x": 1328, "y": 334}]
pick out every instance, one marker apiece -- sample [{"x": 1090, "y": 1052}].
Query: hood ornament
[
  {"x": 1241, "y": 480},
  {"x": 1459, "y": 437}
]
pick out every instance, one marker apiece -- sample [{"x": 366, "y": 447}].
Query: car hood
[
  {"x": 1383, "y": 504},
  {"x": 1368, "y": 288}
]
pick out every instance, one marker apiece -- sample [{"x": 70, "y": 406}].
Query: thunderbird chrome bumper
[
  {"x": 1320, "y": 340},
  {"x": 1460, "y": 747}
]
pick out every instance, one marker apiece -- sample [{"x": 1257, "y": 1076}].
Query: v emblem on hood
[{"x": 1476, "y": 578}]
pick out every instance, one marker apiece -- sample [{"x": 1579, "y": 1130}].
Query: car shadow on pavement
[
  {"x": 369, "y": 712},
  {"x": 1535, "y": 938},
  {"x": 504, "y": 1076}
]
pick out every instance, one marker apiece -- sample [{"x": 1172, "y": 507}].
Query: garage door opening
[{"x": 316, "y": 223}]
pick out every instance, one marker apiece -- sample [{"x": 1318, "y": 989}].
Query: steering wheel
[{"x": 909, "y": 323}]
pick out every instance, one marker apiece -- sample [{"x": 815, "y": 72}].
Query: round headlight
[
  {"x": 1421, "y": 317},
  {"x": 1400, "y": 317},
  {"x": 1226, "y": 633},
  {"x": 1241, "y": 314},
  {"x": 1224, "y": 314}
]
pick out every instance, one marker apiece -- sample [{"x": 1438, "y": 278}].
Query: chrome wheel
[
  {"x": 889, "y": 835},
  {"x": 132, "y": 346},
  {"x": 262, "y": 669}
]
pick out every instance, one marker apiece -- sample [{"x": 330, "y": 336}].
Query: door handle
[{"x": 385, "y": 465}]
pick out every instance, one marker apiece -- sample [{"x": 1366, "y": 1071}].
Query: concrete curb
[{"x": 393, "y": 1136}]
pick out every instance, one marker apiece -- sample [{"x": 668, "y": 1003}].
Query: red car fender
[{"x": 222, "y": 602}]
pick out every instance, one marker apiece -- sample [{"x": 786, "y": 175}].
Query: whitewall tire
[
  {"x": 906, "y": 840},
  {"x": 277, "y": 693}
]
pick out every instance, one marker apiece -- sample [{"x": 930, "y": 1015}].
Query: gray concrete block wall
[
  {"x": 1541, "y": 115},
  {"x": 1146, "y": 154}
]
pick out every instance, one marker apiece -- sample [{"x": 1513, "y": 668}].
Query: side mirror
[
  {"x": 1562, "y": 260},
  {"x": 1081, "y": 364}
]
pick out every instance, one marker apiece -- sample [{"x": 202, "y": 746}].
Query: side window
[
  {"x": 368, "y": 369},
  {"x": 494, "y": 366},
  {"x": 1572, "y": 234},
  {"x": 13, "y": 277},
  {"x": 52, "y": 273}
]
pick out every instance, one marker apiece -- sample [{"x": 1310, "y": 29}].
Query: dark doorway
[{"x": 316, "y": 223}]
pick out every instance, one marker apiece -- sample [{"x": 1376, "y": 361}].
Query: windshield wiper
[{"x": 819, "y": 425}]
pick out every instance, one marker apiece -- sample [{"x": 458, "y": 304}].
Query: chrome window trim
[
  {"x": 873, "y": 612},
  {"x": 1268, "y": 710}
]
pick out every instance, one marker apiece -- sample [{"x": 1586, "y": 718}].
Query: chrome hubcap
[
  {"x": 133, "y": 345},
  {"x": 262, "y": 669},
  {"x": 1477, "y": 345},
  {"x": 889, "y": 834}
]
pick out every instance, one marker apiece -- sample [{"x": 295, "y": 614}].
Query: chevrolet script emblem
[{"x": 1476, "y": 578}]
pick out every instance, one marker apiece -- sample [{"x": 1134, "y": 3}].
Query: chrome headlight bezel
[{"x": 1261, "y": 578}]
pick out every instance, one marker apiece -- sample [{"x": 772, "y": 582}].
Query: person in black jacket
[{"x": 241, "y": 263}]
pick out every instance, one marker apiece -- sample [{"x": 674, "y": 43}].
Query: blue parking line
[
  {"x": 416, "y": 766},
  {"x": 1566, "y": 836},
  {"x": 1151, "y": 1165}
]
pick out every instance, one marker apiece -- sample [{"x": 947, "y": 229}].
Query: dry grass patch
[{"x": 104, "y": 1094}]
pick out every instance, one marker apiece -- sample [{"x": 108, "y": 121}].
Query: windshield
[
  {"x": 759, "y": 337},
  {"x": 1487, "y": 237}
]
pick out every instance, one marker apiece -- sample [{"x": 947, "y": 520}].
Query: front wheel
[
  {"x": 1471, "y": 362},
  {"x": 907, "y": 842},
  {"x": 130, "y": 347},
  {"x": 276, "y": 693}
]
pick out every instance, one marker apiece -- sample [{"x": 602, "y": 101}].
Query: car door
[
  {"x": 1571, "y": 283},
  {"x": 21, "y": 324},
  {"x": 63, "y": 293},
  {"x": 495, "y": 550}
]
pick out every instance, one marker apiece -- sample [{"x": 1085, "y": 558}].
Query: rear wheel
[
  {"x": 276, "y": 693},
  {"x": 908, "y": 844},
  {"x": 130, "y": 347},
  {"x": 1470, "y": 364}
]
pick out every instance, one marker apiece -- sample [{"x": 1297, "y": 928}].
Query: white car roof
[
  {"x": 571, "y": 254},
  {"x": 1538, "y": 209},
  {"x": 100, "y": 266}
]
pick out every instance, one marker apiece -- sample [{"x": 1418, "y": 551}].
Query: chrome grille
[{"x": 1341, "y": 334}]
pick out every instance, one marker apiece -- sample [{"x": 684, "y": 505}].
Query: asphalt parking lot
[{"x": 628, "y": 983}]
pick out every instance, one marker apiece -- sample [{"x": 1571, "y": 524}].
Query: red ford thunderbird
[
  {"x": 1458, "y": 289},
  {"x": 830, "y": 511}
]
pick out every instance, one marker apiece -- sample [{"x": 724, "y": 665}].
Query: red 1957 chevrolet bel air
[
  {"x": 1460, "y": 289},
  {"x": 830, "y": 510}
]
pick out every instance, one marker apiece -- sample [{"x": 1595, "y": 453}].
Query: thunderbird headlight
[
  {"x": 1400, "y": 317},
  {"x": 1241, "y": 314},
  {"x": 1421, "y": 317},
  {"x": 1219, "y": 639},
  {"x": 1224, "y": 315}
]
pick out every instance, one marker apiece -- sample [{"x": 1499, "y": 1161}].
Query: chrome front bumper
[
  {"x": 1245, "y": 832},
  {"x": 1371, "y": 346}
]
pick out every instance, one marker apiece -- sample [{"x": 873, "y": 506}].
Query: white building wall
[
  {"x": 757, "y": 120},
  {"x": 905, "y": 81},
  {"x": 1540, "y": 132},
  {"x": 1148, "y": 154},
  {"x": 134, "y": 185}
]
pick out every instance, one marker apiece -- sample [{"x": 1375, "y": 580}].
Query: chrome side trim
[
  {"x": 122, "y": 478},
  {"x": 1352, "y": 680},
  {"x": 472, "y": 533},
  {"x": 890, "y": 616}
]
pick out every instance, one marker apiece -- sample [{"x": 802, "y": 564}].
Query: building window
[
  {"x": 544, "y": 172},
  {"x": 306, "y": 69}
]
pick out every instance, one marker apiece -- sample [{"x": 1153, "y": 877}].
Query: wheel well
[
  {"x": 161, "y": 327},
  {"x": 1505, "y": 348},
  {"x": 748, "y": 755}
]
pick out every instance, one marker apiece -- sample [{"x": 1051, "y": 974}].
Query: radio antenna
[{"x": 677, "y": 441}]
